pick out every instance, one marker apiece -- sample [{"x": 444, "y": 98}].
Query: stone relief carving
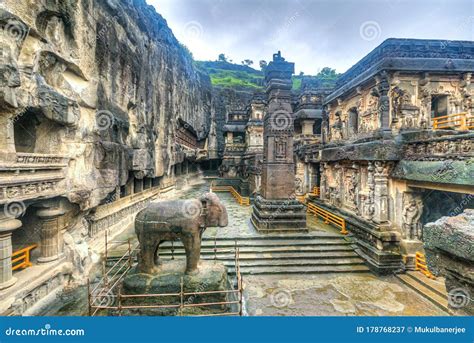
[
  {"x": 336, "y": 132},
  {"x": 9, "y": 78},
  {"x": 412, "y": 210},
  {"x": 455, "y": 148}
]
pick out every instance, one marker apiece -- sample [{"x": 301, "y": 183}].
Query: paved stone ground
[
  {"x": 333, "y": 295},
  {"x": 239, "y": 216}
]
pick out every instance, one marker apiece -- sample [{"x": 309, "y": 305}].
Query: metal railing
[
  {"x": 458, "y": 121},
  {"x": 23, "y": 256},
  {"x": 328, "y": 217},
  {"x": 245, "y": 201},
  {"x": 107, "y": 294},
  {"x": 420, "y": 265},
  {"x": 316, "y": 191},
  {"x": 301, "y": 198}
]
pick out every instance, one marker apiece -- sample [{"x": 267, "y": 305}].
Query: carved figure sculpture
[
  {"x": 411, "y": 218},
  {"x": 337, "y": 127},
  {"x": 185, "y": 220}
]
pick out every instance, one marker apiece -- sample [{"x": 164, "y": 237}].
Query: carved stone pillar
[
  {"x": 411, "y": 227},
  {"x": 383, "y": 87},
  {"x": 307, "y": 127},
  {"x": 277, "y": 208},
  {"x": 322, "y": 185},
  {"x": 325, "y": 126},
  {"x": 53, "y": 225},
  {"x": 7, "y": 226},
  {"x": 381, "y": 192}
]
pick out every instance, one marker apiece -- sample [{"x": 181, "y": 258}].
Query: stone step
[
  {"x": 275, "y": 254},
  {"x": 252, "y": 256},
  {"x": 270, "y": 270},
  {"x": 435, "y": 286},
  {"x": 439, "y": 301},
  {"x": 294, "y": 263},
  {"x": 269, "y": 249},
  {"x": 262, "y": 254},
  {"x": 263, "y": 243},
  {"x": 299, "y": 237}
]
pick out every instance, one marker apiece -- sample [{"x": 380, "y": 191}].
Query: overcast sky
[{"x": 311, "y": 33}]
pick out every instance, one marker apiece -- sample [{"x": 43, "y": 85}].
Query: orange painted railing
[
  {"x": 317, "y": 191},
  {"x": 22, "y": 256},
  {"x": 301, "y": 198},
  {"x": 245, "y": 201},
  {"x": 328, "y": 217},
  {"x": 470, "y": 123},
  {"x": 420, "y": 265},
  {"x": 459, "y": 121}
]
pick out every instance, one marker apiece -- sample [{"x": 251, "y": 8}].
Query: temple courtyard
[
  {"x": 329, "y": 294},
  {"x": 136, "y": 179}
]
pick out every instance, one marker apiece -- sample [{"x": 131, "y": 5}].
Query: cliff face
[{"x": 102, "y": 82}]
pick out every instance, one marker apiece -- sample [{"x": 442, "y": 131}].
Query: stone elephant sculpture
[{"x": 185, "y": 220}]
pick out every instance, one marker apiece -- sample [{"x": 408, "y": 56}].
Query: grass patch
[{"x": 231, "y": 75}]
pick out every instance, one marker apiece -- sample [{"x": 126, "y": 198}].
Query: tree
[
  {"x": 222, "y": 58},
  {"x": 247, "y": 62},
  {"x": 327, "y": 73},
  {"x": 263, "y": 65}
]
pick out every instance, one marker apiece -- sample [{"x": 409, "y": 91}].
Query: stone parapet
[
  {"x": 377, "y": 244},
  {"x": 108, "y": 215}
]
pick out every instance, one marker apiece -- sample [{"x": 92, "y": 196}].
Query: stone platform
[
  {"x": 212, "y": 276},
  {"x": 279, "y": 215}
]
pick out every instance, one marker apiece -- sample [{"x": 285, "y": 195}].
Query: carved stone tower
[{"x": 276, "y": 207}]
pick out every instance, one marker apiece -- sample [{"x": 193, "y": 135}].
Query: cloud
[{"x": 311, "y": 33}]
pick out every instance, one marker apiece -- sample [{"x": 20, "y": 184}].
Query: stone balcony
[{"x": 25, "y": 176}]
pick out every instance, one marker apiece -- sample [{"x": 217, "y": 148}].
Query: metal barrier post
[
  {"x": 215, "y": 249},
  {"x": 89, "y": 308},
  {"x": 181, "y": 295},
  {"x": 106, "y": 245},
  {"x": 129, "y": 254},
  {"x": 119, "y": 300}
]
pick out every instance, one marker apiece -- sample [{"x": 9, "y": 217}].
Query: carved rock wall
[{"x": 104, "y": 82}]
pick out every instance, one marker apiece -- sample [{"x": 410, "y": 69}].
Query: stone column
[
  {"x": 381, "y": 192},
  {"x": 230, "y": 137},
  {"x": 277, "y": 207},
  {"x": 383, "y": 87},
  {"x": 52, "y": 221},
  {"x": 307, "y": 128},
  {"x": 7, "y": 226}
]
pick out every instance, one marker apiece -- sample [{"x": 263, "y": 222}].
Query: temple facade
[
  {"x": 389, "y": 148},
  {"x": 397, "y": 146}
]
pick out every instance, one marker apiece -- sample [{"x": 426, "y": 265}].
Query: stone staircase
[
  {"x": 432, "y": 290},
  {"x": 279, "y": 254}
]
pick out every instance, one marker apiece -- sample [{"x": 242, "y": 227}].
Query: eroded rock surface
[
  {"x": 449, "y": 246},
  {"x": 105, "y": 82}
]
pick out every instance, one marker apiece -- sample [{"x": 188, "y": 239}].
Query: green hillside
[
  {"x": 225, "y": 74},
  {"x": 228, "y": 75}
]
